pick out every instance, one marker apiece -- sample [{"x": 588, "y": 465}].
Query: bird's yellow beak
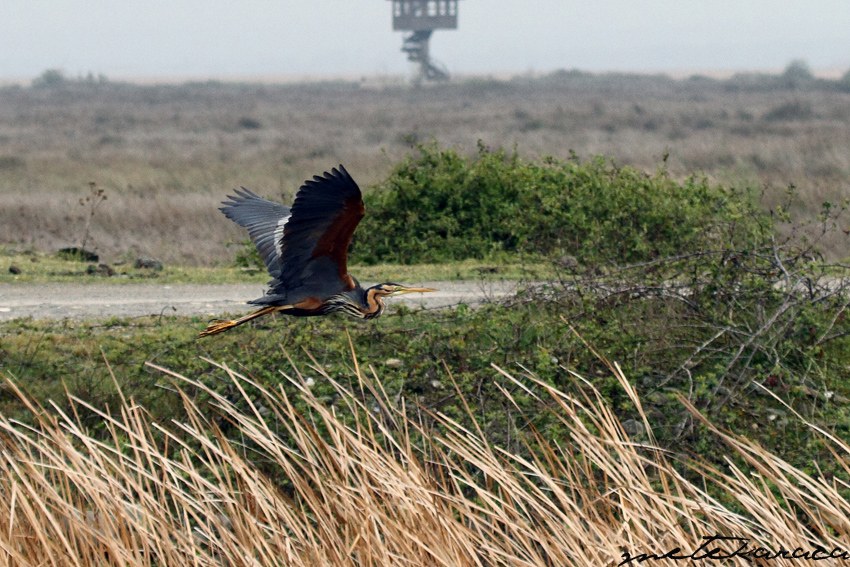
[{"x": 402, "y": 290}]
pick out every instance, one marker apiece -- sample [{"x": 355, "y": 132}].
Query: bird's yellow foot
[{"x": 218, "y": 326}]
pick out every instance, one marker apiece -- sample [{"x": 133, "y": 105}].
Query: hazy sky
[{"x": 162, "y": 38}]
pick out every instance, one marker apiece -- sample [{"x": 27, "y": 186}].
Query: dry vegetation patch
[
  {"x": 371, "y": 484},
  {"x": 166, "y": 155}
]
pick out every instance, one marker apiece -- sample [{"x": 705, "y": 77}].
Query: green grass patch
[
  {"x": 44, "y": 268},
  {"x": 510, "y": 269},
  {"x": 417, "y": 354}
]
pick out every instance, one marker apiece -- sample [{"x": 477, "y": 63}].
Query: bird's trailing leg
[{"x": 221, "y": 325}]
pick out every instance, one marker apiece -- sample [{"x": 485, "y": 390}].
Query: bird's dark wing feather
[
  {"x": 265, "y": 222},
  {"x": 315, "y": 240}
]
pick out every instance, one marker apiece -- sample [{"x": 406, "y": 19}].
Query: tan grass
[
  {"x": 350, "y": 486},
  {"x": 166, "y": 155}
]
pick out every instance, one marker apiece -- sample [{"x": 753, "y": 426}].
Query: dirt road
[{"x": 94, "y": 301}]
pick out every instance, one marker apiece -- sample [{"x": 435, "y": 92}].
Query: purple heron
[{"x": 305, "y": 249}]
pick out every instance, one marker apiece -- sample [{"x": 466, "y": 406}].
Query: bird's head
[
  {"x": 372, "y": 299},
  {"x": 390, "y": 289}
]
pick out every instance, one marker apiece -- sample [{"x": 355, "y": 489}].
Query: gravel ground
[{"x": 94, "y": 301}]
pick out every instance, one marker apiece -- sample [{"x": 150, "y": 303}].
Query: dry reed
[{"x": 353, "y": 486}]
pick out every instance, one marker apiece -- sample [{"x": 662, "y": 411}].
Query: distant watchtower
[{"x": 421, "y": 18}]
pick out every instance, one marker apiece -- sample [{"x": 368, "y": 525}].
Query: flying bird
[{"x": 305, "y": 249}]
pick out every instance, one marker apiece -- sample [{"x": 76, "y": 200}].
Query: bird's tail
[{"x": 220, "y": 325}]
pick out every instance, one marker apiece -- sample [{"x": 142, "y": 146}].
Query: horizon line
[{"x": 403, "y": 77}]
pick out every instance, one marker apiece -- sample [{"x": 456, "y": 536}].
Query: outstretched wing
[
  {"x": 315, "y": 244},
  {"x": 265, "y": 222}
]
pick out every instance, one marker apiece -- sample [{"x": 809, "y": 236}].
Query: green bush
[{"x": 440, "y": 206}]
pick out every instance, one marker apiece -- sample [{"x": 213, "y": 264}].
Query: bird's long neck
[
  {"x": 374, "y": 305},
  {"x": 365, "y": 304}
]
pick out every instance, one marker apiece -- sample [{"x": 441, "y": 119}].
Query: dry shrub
[
  {"x": 182, "y": 229},
  {"x": 364, "y": 485}
]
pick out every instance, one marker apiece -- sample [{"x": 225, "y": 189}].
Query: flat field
[
  {"x": 166, "y": 155},
  {"x": 459, "y": 436}
]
